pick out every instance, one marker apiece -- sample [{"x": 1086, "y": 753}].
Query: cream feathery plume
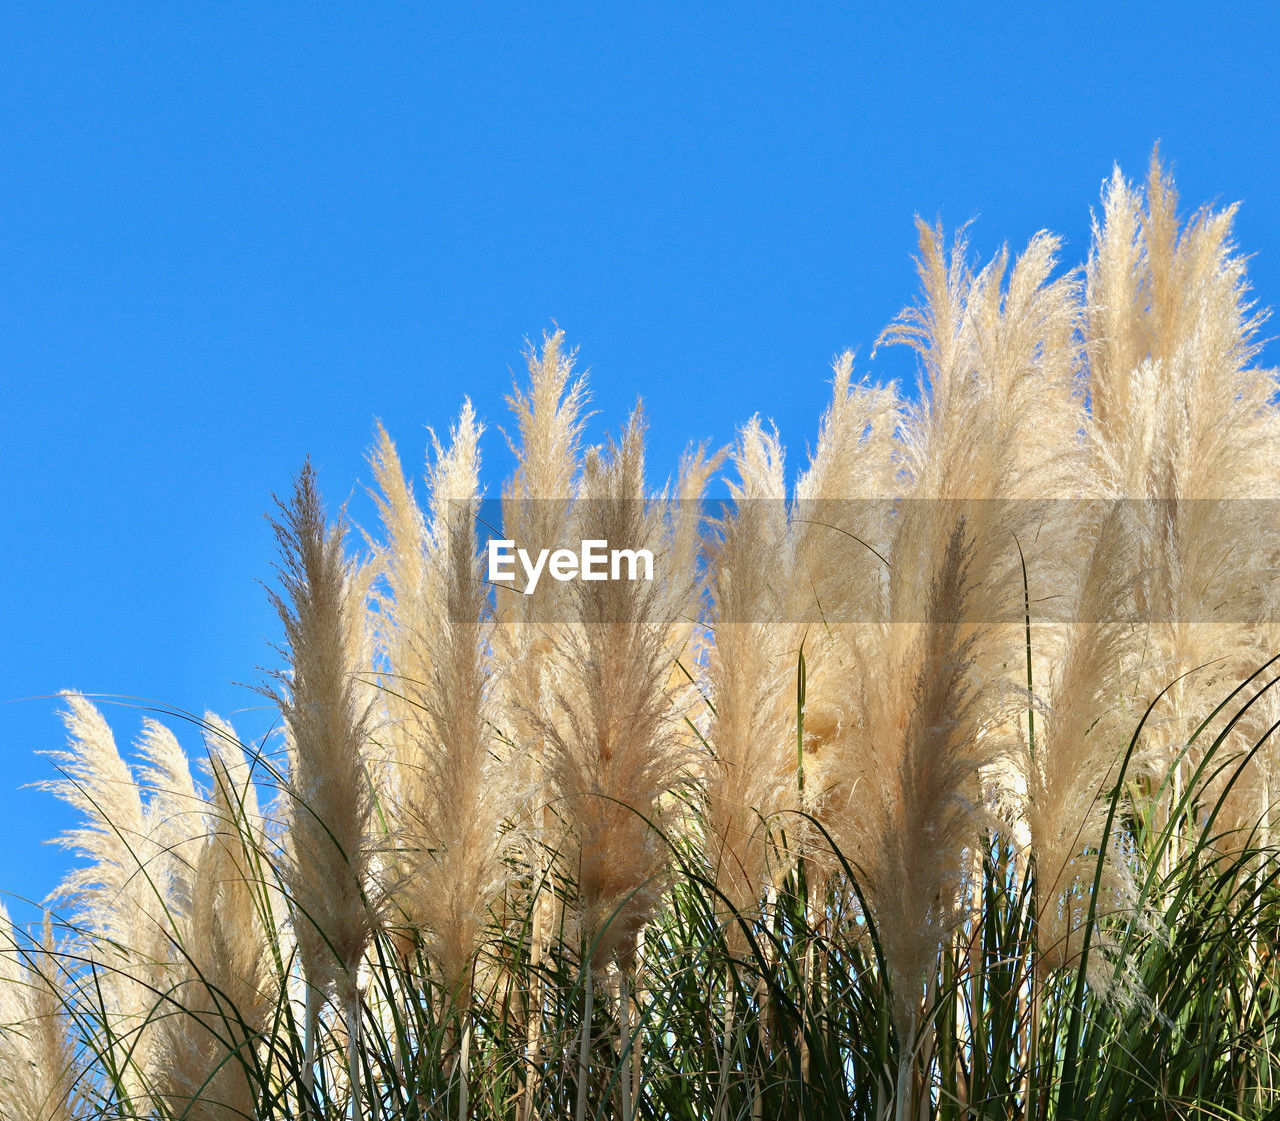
[
  {"x": 399, "y": 589},
  {"x": 550, "y": 419},
  {"x": 750, "y": 777},
  {"x": 128, "y": 903},
  {"x": 536, "y": 504},
  {"x": 932, "y": 687},
  {"x": 39, "y": 1075},
  {"x": 1074, "y": 761},
  {"x": 330, "y": 865},
  {"x": 536, "y": 511},
  {"x": 329, "y": 869},
  {"x": 175, "y": 814},
  {"x": 842, "y": 525},
  {"x": 457, "y": 798},
  {"x": 615, "y": 750},
  {"x": 220, "y": 1002},
  {"x": 684, "y": 544},
  {"x": 1183, "y": 423}
]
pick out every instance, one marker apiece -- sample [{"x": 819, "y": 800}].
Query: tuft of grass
[{"x": 941, "y": 785}]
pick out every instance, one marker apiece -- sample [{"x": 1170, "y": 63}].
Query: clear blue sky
[{"x": 232, "y": 235}]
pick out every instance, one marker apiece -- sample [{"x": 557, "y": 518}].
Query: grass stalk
[
  {"x": 902, "y": 1095},
  {"x": 728, "y": 1036},
  {"x": 352, "y": 1008},
  {"x": 465, "y": 1004},
  {"x": 584, "y": 1050},
  {"x": 311, "y": 1031}
]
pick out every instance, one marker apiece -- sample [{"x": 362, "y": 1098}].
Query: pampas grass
[
  {"x": 329, "y": 868},
  {"x": 937, "y": 782},
  {"x": 751, "y": 777},
  {"x": 38, "y": 1065}
]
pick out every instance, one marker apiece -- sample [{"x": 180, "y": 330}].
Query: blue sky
[{"x": 232, "y": 235}]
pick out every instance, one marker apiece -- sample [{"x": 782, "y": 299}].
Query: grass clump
[{"x": 939, "y": 784}]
